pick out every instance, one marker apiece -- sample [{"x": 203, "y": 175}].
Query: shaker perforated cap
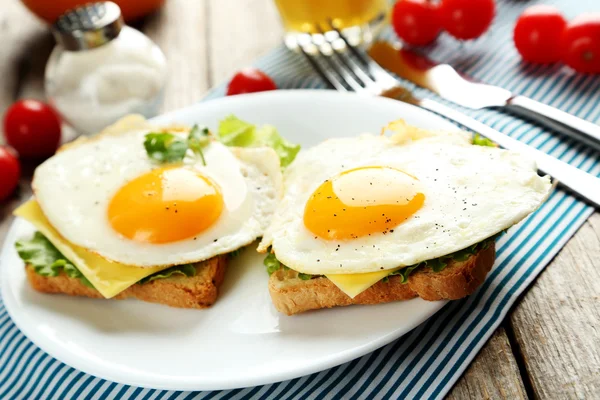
[{"x": 88, "y": 26}]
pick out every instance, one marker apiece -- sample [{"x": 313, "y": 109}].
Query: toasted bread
[
  {"x": 292, "y": 295},
  {"x": 198, "y": 291}
]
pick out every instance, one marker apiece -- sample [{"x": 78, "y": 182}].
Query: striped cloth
[{"x": 428, "y": 361}]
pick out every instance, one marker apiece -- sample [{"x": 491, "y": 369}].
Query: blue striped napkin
[{"x": 428, "y": 361}]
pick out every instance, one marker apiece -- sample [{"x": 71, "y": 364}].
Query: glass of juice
[{"x": 306, "y": 20}]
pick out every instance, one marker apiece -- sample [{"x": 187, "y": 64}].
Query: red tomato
[
  {"x": 416, "y": 21},
  {"x": 466, "y": 19},
  {"x": 250, "y": 80},
  {"x": 32, "y": 128},
  {"x": 580, "y": 43},
  {"x": 537, "y": 34},
  {"x": 10, "y": 172}
]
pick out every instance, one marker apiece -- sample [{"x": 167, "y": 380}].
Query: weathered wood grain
[
  {"x": 20, "y": 32},
  {"x": 179, "y": 28},
  {"x": 25, "y": 45},
  {"x": 205, "y": 42},
  {"x": 557, "y": 322},
  {"x": 239, "y": 32},
  {"x": 203, "y": 55},
  {"x": 493, "y": 374}
]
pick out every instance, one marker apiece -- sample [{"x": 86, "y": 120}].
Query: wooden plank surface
[
  {"x": 239, "y": 32},
  {"x": 179, "y": 28},
  {"x": 20, "y": 32},
  {"x": 557, "y": 322},
  {"x": 22, "y": 58},
  {"x": 205, "y": 42},
  {"x": 493, "y": 374}
]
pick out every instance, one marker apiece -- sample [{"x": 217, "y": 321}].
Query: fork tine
[
  {"x": 360, "y": 72},
  {"x": 339, "y": 69},
  {"x": 330, "y": 79},
  {"x": 352, "y": 48},
  {"x": 375, "y": 71},
  {"x": 350, "y": 65}
]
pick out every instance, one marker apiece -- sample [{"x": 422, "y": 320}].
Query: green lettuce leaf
[
  {"x": 235, "y": 253},
  {"x": 45, "y": 259},
  {"x": 482, "y": 141},
  {"x": 165, "y": 147},
  {"x": 404, "y": 272},
  {"x": 464, "y": 254},
  {"x": 184, "y": 270},
  {"x": 73, "y": 272},
  {"x": 438, "y": 264},
  {"x": 267, "y": 135},
  {"x": 272, "y": 263},
  {"x": 235, "y": 132}
]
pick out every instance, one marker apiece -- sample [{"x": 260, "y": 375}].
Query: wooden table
[{"x": 548, "y": 346}]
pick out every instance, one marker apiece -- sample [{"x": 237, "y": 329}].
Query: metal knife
[{"x": 444, "y": 80}]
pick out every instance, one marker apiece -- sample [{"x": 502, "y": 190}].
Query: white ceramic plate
[{"x": 241, "y": 341}]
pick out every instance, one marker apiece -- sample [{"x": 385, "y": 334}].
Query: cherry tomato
[
  {"x": 538, "y": 33},
  {"x": 32, "y": 128},
  {"x": 466, "y": 19},
  {"x": 580, "y": 43},
  {"x": 10, "y": 171},
  {"x": 416, "y": 21},
  {"x": 250, "y": 80}
]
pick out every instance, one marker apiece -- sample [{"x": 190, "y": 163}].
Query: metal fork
[{"x": 346, "y": 68}]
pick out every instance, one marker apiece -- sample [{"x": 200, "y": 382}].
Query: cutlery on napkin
[{"x": 356, "y": 71}]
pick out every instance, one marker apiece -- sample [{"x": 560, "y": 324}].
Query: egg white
[
  {"x": 471, "y": 193},
  {"x": 75, "y": 186}
]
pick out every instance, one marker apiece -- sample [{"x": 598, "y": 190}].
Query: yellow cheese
[
  {"x": 111, "y": 278},
  {"x": 355, "y": 284},
  {"x": 108, "y": 278}
]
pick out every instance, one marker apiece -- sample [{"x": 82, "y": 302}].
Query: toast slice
[
  {"x": 198, "y": 291},
  {"x": 292, "y": 295}
]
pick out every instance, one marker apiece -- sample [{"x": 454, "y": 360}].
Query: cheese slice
[
  {"x": 109, "y": 278},
  {"x": 355, "y": 284}
]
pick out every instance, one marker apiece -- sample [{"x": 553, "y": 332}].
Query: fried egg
[
  {"x": 371, "y": 203},
  {"x": 107, "y": 196}
]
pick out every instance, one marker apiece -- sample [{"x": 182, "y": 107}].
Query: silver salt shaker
[{"x": 101, "y": 69}]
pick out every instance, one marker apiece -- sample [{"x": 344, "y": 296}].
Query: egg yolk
[
  {"x": 165, "y": 205},
  {"x": 361, "y": 202}
]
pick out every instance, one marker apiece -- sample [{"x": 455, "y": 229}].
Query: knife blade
[{"x": 451, "y": 85}]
